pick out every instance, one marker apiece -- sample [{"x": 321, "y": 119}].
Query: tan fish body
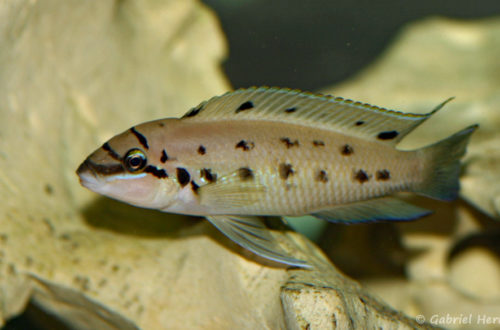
[{"x": 268, "y": 151}]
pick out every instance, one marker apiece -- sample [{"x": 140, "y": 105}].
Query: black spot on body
[
  {"x": 291, "y": 110},
  {"x": 113, "y": 154},
  {"x": 245, "y": 106},
  {"x": 361, "y": 176},
  {"x": 383, "y": 175},
  {"x": 245, "y": 145},
  {"x": 202, "y": 150},
  {"x": 194, "y": 187},
  {"x": 389, "y": 135},
  {"x": 359, "y": 123},
  {"x": 183, "y": 176},
  {"x": 346, "y": 150},
  {"x": 142, "y": 139},
  {"x": 164, "y": 156},
  {"x": 208, "y": 175},
  {"x": 245, "y": 173},
  {"x": 161, "y": 124},
  {"x": 318, "y": 143},
  {"x": 322, "y": 176},
  {"x": 289, "y": 143},
  {"x": 159, "y": 173},
  {"x": 194, "y": 111},
  {"x": 286, "y": 170}
]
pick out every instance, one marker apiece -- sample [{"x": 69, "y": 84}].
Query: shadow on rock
[{"x": 107, "y": 214}]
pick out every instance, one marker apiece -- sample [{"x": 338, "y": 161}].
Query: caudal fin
[{"x": 442, "y": 167}]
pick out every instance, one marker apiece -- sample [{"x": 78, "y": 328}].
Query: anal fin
[
  {"x": 251, "y": 233},
  {"x": 379, "y": 209}
]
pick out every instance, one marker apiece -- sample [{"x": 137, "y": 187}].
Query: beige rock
[{"x": 74, "y": 73}]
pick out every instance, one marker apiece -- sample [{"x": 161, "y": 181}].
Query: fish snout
[{"x": 87, "y": 174}]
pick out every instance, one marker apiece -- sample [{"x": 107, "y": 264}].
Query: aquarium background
[{"x": 314, "y": 44}]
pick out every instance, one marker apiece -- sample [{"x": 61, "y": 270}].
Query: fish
[{"x": 268, "y": 151}]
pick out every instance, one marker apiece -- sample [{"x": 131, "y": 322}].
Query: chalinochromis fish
[{"x": 276, "y": 152}]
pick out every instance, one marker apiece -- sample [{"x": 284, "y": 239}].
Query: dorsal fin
[{"x": 322, "y": 111}]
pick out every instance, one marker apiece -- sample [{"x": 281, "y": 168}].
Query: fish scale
[{"x": 271, "y": 151}]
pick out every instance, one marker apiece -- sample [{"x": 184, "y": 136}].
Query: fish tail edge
[{"x": 442, "y": 166}]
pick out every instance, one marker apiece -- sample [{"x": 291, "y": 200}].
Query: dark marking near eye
[
  {"x": 361, "y": 176},
  {"x": 202, "y": 150},
  {"x": 183, "y": 176},
  {"x": 289, "y": 143},
  {"x": 245, "y": 106},
  {"x": 318, "y": 143},
  {"x": 104, "y": 169},
  {"x": 359, "y": 123},
  {"x": 142, "y": 139},
  {"x": 346, "y": 150},
  {"x": 383, "y": 175},
  {"x": 245, "y": 173},
  {"x": 322, "y": 176},
  {"x": 113, "y": 154},
  {"x": 194, "y": 111},
  {"x": 208, "y": 175},
  {"x": 194, "y": 187},
  {"x": 159, "y": 173},
  {"x": 164, "y": 156},
  {"x": 290, "y": 110},
  {"x": 286, "y": 170},
  {"x": 389, "y": 135},
  {"x": 245, "y": 145},
  {"x": 161, "y": 124}
]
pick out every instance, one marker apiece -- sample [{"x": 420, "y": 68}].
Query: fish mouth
[
  {"x": 92, "y": 174},
  {"x": 87, "y": 175}
]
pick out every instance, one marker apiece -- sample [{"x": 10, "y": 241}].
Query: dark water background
[
  {"x": 314, "y": 44},
  {"x": 307, "y": 45}
]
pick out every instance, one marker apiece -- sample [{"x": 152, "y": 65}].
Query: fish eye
[{"x": 135, "y": 160}]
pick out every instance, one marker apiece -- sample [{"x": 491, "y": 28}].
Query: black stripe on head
[
  {"x": 159, "y": 173},
  {"x": 105, "y": 169},
  {"x": 142, "y": 139},
  {"x": 183, "y": 176},
  {"x": 113, "y": 154},
  {"x": 194, "y": 187}
]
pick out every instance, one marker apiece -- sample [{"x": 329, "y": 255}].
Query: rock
[{"x": 74, "y": 73}]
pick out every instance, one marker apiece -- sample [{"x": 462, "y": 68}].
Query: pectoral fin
[
  {"x": 385, "y": 208},
  {"x": 251, "y": 233},
  {"x": 237, "y": 189}
]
